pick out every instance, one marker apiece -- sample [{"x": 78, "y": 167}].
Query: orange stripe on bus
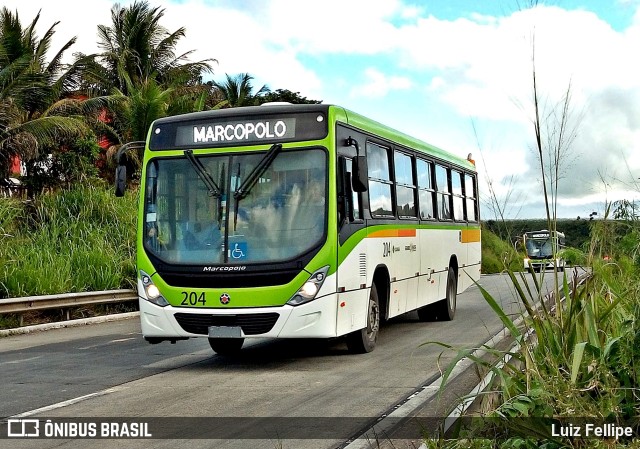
[
  {"x": 393, "y": 233},
  {"x": 470, "y": 235},
  {"x": 384, "y": 233}
]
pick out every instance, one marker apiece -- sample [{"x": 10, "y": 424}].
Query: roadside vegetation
[
  {"x": 584, "y": 362},
  {"x": 81, "y": 239}
]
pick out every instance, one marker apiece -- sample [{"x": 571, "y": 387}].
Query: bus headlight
[
  {"x": 310, "y": 288},
  {"x": 152, "y": 292}
]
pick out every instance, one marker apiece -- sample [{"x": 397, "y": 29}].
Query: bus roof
[
  {"x": 543, "y": 234},
  {"x": 349, "y": 117},
  {"x": 359, "y": 121}
]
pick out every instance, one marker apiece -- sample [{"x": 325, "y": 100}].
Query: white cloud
[{"x": 377, "y": 84}]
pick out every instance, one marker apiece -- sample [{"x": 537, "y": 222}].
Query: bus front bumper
[{"x": 315, "y": 319}]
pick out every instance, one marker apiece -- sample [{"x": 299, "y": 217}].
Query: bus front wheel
[
  {"x": 364, "y": 340},
  {"x": 226, "y": 346}
]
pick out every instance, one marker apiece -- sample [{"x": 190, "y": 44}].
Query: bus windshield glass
[
  {"x": 280, "y": 218},
  {"x": 539, "y": 248}
]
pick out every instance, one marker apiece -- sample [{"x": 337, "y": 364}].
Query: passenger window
[
  {"x": 458, "y": 199},
  {"x": 405, "y": 185},
  {"x": 426, "y": 193},
  {"x": 444, "y": 193},
  {"x": 471, "y": 198},
  {"x": 380, "y": 202}
]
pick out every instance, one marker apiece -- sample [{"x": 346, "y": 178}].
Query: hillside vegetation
[{"x": 81, "y": 239}]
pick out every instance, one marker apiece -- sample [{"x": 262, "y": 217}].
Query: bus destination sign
[
  {"x": 218, "y": 130},
  {"x": 238, "y": 131}
]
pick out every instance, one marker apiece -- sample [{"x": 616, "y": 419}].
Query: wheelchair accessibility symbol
[{"x": 239, "y": 251}]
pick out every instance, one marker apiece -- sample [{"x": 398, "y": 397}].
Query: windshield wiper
[
  {"x": 203, "y": 174},
  {"x": 253, "y": 177},
  {"x": 207, "y": 179}
]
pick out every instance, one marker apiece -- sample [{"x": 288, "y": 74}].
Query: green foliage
[
  {"x": 286, "y": 96},
  {"x": 82, "y": 239},
  {"x": 10, "y": 213},
  {"x": 137, "y": 49},
  {"x": 497, "y": 255},
  {"x": 63, "y": 166},
  {"x": 30, "y": 87},
  {"x": 573, "y": 257},
  {"x": 238, "y": 91},
  {"x": 585, "y": 358}
]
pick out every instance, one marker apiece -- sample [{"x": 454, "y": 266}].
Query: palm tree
[
  {"x": 138, "y": 64},
  {"x": 136, "y": 48},
  {"x": 31, "y": 117},
  {"x": 238, "y": 91}
]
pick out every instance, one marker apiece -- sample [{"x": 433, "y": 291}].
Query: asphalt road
[{"x": 305, "y": 388}]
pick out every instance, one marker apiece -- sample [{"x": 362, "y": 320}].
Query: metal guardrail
[{"x": 64, "y": 301}]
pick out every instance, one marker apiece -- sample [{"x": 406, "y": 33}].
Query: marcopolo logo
[{"x": 226, "y": 269}]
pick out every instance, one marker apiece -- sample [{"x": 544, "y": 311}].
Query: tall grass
[
  {"x": 584, "y": 361},
  {"x": 82, "y": 239}
]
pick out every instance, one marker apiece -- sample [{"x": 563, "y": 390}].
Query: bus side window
[
  {"x": 458, "y": 198},
  {"x": 470, "y": 194},
  {"x": 380, "y": 184},
  {"x": 405, "y": 186},
  {"x": 444, "y": 193},
  {"x": 426, "y": 191}
]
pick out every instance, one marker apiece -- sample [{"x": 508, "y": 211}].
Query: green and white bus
[{"x": 298, "y": 221}]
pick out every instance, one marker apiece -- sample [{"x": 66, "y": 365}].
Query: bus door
[{"x": 352, "y": 257}]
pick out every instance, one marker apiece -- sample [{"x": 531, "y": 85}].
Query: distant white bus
[{"x": 542, "y": 249}]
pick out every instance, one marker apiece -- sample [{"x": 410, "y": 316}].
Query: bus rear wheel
[
  {"x": 443, "y": 310},
  {"x": 226, "y": 346},
  {"x": 364, "y": 340}
]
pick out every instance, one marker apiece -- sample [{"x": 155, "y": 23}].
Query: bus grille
[{"x": 251, "y": 323}]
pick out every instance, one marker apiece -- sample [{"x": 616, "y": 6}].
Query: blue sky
[{"x": 455, "y": 73}]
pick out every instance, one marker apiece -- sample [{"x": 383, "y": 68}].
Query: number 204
[
  {"x": 192, "y": 299},
  {"x": 386, "y": 249}
]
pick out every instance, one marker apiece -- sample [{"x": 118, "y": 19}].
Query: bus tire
[
  {"x": 445, "y": 309},
  {"x": 364, "y": 340},
  {"x": 226, "y": 346}
]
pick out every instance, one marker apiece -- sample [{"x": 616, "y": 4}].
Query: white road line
[
  {"x": 121, "y": 340},
  {"x": 66, "y": 403},
  {"x": 13, "y": 362},
  {"x": 105, "y": 344}
]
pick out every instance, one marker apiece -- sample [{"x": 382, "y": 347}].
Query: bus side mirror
[
  {"x": 121, "y": 170},
  {"x": 121, "y": 180},
  {"x": 360, "y": 179}
]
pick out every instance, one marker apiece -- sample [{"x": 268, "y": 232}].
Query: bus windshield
[
  {"x": 282, "y": 216},
  {"x": 538, "y": 248}
]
